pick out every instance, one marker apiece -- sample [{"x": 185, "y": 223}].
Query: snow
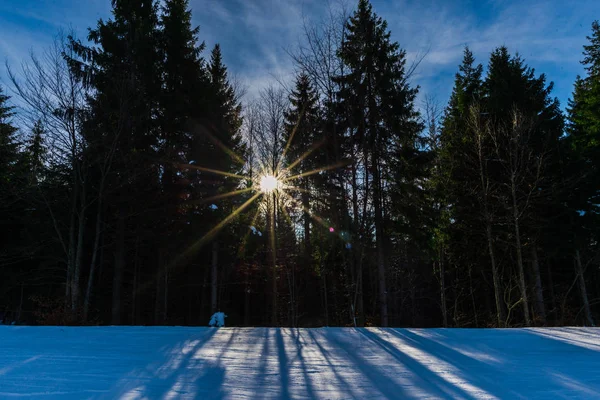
[
  {"x": 213, "y": 207},
  {"x": 325, "y": 363},
  {"x": 217, "y": 319},
  {"x": 255, "y": 231}
]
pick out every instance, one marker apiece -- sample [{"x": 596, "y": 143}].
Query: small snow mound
[
  {"x": 255, "y": 231},
  {"x": 218, "y": 319},
  {"x": 213, "y": 207}
]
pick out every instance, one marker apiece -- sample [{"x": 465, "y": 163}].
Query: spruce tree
[
  {"x": 122, "y": 65},
  {"x": 8, "y": 142},
  {"x": 223, "y": 151},
  {"x": 380, "y": 117},
  {"x": 466, "y": 180},
  {"x": 583, "y": 143},
  {"x": 584, "y": 123},
  {"x": 182, "y": 105},
  {"x": 9, "y": 159},
  {"x": 302, "y": 125},
  {"x": 36, "y": 152}
]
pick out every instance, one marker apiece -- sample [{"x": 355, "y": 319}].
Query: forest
[{"x": 140, "y": 186}]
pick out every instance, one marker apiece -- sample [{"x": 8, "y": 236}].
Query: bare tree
[
  {"x": 433, "y": 113},
  {"x": 316, "y": 53},
  {"x": 486, "y": 189},
  {"x": 52, "y": 93},
  {"x": 523, "y": 168}
]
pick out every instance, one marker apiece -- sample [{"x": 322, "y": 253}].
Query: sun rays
[
  {"x": 271, "y": 187},
  {"x": 268, "y": 183}
]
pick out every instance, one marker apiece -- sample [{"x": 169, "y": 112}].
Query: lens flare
[{"x": 268, "y": 183}]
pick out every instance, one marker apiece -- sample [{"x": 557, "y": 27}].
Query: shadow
[
  {"x": 327, "y": 356},
  {"x": 173, "y": 371},
  {"x": 263, "y": 360},
  {"x": 533, "y": 364},
  {"x": 576, "y": 337},
  {"x": 422, "y": 376},
  {"x": 283, "y": 365},
  {"x": 382, "y": 376},
  {"x": 440, "y": 354},
  {"x": 299, "y": 345}
]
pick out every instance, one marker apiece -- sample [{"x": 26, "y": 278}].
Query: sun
[{"x": 268, "y": 183}]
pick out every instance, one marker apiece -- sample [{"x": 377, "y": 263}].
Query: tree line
[{"x": 132, "y": 184}]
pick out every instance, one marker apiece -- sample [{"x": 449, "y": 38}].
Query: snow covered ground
[{"x": 327, "y": 363}]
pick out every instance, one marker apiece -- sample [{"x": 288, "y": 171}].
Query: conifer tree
[
  {"x": 467, "y": 184},
  {"x": 8, "y": 141},
  {"x": 123, "y": 67},
  {"x": 35, "y": 152},
  {"x": 182, "y": 105},
  {"x": 584, "y": 122},
  {"x": 584, "y": 152},
  {"x": 301, "y": 133},
  {"x": 380, "y": 115},
  {"x": 223, "y": 151}
]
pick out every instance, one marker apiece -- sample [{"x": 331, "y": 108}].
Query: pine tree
[
  {"x": 380, "y": 116},
  {"x": 466, "y": 177},
  {"x": 123, "y": 67},
  {"x": 302, "y": 125},
  {"x": 223, "y": 151},
  {"x": 10, "y": 171},
  {"x": 35, "y": 152},
  {"x": 8, "y": 141},
  {"x": 225, "y": 116},
  {"x": 584, "y": 155},
  {"x": 182, "y": 106},
  {"x": 584, "y": 122},
  {"x": 519, "y": 102}
]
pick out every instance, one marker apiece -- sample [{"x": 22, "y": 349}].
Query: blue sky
[{"x": 254, "y": 34}]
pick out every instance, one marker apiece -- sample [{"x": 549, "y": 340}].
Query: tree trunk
[
  {"x": 554, "y": 309},
  {"x": 473, "y": 297},
  {"x": 75, "y": 290},
  {"x": 361, "y": 303},
  {"x": 325, "y": 298},
  {"x": 443, "y": 289},
  {"x": 134, "y": 289},
  {"x": 583, "y": 290},
  {"x": 539, "y": 295},
  {"x": 379, "y": 243},
  {"x": 485, "y": 192},
  {"x": 94, "y": 262},
  {"x": 273, "y": 252},
  {"x": 214, "y": 271},
  {"x": 71, "y": 248},
  {"x": 119, "y": 266},
  {"x": 306, "y": 217},
  {"x": 247, "y": 302},
  {"x": 323, "y": 284},
  {"x": 20, "y": 309},
  {"x": 203, "y": 292},
  {"x": 522, "y": 284}
]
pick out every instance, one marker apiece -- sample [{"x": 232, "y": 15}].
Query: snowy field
[{"x": 327, "y": 363}]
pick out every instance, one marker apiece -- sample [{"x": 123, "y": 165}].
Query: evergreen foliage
[{"x": 131, "y": 188}]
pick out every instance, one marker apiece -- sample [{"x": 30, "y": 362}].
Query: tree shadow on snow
[
  {"x": 357, "y": 363},
  {"x": 175, "y": 372},
  {"x": 533, "y": 362}
]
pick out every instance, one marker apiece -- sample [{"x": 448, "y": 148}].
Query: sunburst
[{"x": 270, "y": 185}]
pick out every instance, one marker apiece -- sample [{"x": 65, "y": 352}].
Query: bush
[{"x": 55, "y": 311}]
